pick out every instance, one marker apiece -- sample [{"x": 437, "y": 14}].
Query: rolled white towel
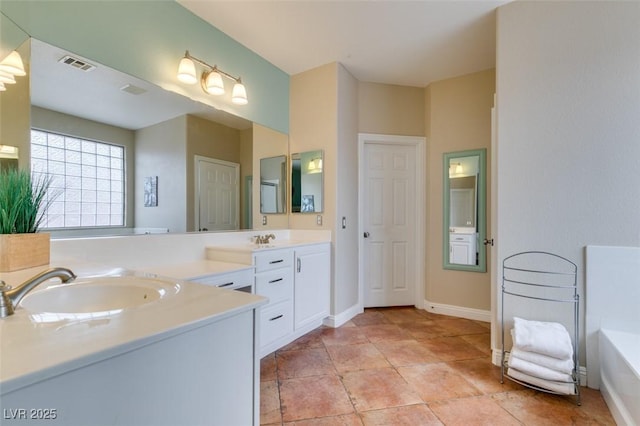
[
  {"x": 563, "y": 388},
  {"x": 547, "y": 338},
  {"x": 561, "y": 365},
  {"x": 538, "y": 370}
]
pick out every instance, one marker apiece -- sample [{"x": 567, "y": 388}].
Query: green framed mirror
[{"x": 464, "y": 210}]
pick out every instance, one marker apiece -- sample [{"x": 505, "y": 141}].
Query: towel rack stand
[{"x": 544, "y": 278}]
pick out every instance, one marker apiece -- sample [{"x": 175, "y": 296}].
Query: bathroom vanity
[
  {"x": 189, "y": 356},
  {"x": 295, "y": 277}
]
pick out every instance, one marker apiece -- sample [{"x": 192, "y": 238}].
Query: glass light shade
[
  {"x": 239, "y": 94},
  {"x": 187, "y": 71},
  {"x": 13, "y": 64},
  {"x": 459, "y": 168},
  {"x": 7, "y": 78},
  {"x": 213, "y": 83}
]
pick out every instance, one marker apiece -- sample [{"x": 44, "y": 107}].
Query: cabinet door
[{"x": 311, "y": 285}]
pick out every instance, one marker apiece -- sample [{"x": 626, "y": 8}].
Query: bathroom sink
[{"x": 98, "y": 296}]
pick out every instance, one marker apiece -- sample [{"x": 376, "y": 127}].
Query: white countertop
[
  {"x": 196, "y": 269},
  {"x": 31, "y": 351}
]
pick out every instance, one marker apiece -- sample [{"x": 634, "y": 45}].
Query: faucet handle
[{"x": 4, "y": 287}]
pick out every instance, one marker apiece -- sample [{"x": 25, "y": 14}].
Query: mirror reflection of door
[
  {"x": 273, "y": 183},
  {"x": 217, "y": 194}
]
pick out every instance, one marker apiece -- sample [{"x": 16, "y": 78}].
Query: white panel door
[
  {"x": 389, "y": 224},
  {"x": 217, "y": 194}
]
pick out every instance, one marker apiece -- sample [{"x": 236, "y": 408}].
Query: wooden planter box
[{"x": 21, "y": 251}]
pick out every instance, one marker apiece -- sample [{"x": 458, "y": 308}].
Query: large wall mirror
[
  {"x": 162, "y": 133},
  {"x": 464, "y": 213},
  {"x": 307, "y": 182},
  {"x": 273, "y": 184}
]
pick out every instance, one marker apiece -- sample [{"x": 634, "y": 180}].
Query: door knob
[
  {"x": 205, "y": 229},
  {"x": 366, "y": 235}
]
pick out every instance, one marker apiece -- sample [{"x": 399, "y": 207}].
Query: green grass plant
[{"x": 23, "y": 201}]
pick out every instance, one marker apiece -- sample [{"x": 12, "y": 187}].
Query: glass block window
[{"x": 87, "y": 175}]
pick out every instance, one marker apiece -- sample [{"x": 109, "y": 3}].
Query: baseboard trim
[
  {"x": 496, "y": 359},
  {"x": 343, "y": 317},
  {"x": 457, "y": 311}
]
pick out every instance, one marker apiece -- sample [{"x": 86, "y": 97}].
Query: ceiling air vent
[{"x": 77, "y": 63}]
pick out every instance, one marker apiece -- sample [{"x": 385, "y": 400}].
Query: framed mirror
[
  {"x": 307, "y": 182},
  {"x": 464, "y": 210},
  {"x": 273, "y": 184}
]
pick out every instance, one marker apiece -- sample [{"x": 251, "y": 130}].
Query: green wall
[{"x": 147, "y": 39}]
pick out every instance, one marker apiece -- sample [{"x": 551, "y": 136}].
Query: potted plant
[{"x": 23, "y": 202}]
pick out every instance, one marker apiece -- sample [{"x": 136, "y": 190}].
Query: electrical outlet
[
  {"x": 319, "y": 220},
  {"x": 264, "y": 220}
]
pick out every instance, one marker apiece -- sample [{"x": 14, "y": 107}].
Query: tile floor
[{"x": 405, "y": 366}]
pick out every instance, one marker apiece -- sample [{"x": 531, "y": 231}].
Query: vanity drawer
[
  {"x": 231, "y": 280},
  {"x": 273, "y": 259},
  {"x": 276, "y": 285},
  {"x": 463, "y": 238},
  {"x": 276, "y": 321}
]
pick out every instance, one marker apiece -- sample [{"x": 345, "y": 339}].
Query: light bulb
[
  {"x": 187, "y": 71},
  {"x": 13, "y": 64},
  {"x": 239, "y": 94},
  {"x": 7, "y": 78},
  {"x": 213, "y": 83}
]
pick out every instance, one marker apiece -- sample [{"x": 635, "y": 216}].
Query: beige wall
[
  {"x": 212, "y": 140},
  {"x": 268, "y": 143},
  {"x": 160, "y": 150},
  {"x": 71, "y": 125},
  {"x": 390, "y": 109},
  {"x": 313, "y": 126},
  {"x": 458, "y": 117}
]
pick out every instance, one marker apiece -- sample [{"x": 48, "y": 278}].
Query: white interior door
[
  {"x": 217, "y": 194},
  {"x": 389, "y": 224}
]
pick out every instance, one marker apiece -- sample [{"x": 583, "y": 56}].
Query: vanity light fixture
[
  {"x": 12, "y": 64},
  {"x": 315, "y": 166},
  {"x": 210, "y": 79},
  {"x": 7, "y": 78},
  {"x": 455, "y": 169}
]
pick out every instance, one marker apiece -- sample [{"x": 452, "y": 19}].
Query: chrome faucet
[
  {"x": 265, "y": 239},
  {"x": 10, "y": 298}
]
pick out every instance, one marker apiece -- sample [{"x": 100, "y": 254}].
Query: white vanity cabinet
[
  {"x": 296, "y": 278},
  {"x": 462, "y": 249},
  {"x": 274, "y": 279},
  {"x": 311, "y": 285}
]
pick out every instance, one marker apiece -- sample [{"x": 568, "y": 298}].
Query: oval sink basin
[{"x": 95, "y": 297}]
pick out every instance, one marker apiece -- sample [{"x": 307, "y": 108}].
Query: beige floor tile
[
  {"x": 303, "y": 363},
  {"x": 381, "y": 332},
  {"x": 344, "y": 420},
  {"x": 472, "y": 411},
  {"x": 269, "y": 403},
  {"x": 406, "y": 352},
  {"x": 411, "y": 415},
  {"x": 356, "y": 357},
  {"x": 434, "y": 382},
  {"x": 343, "y": 336},
  {"x": 452, "y": 348},
  {"x": 378, "y": 388},
  {"x": 312, "y": 397}
]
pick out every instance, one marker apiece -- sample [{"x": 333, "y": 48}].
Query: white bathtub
[{"x": 620, "y": 374}]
